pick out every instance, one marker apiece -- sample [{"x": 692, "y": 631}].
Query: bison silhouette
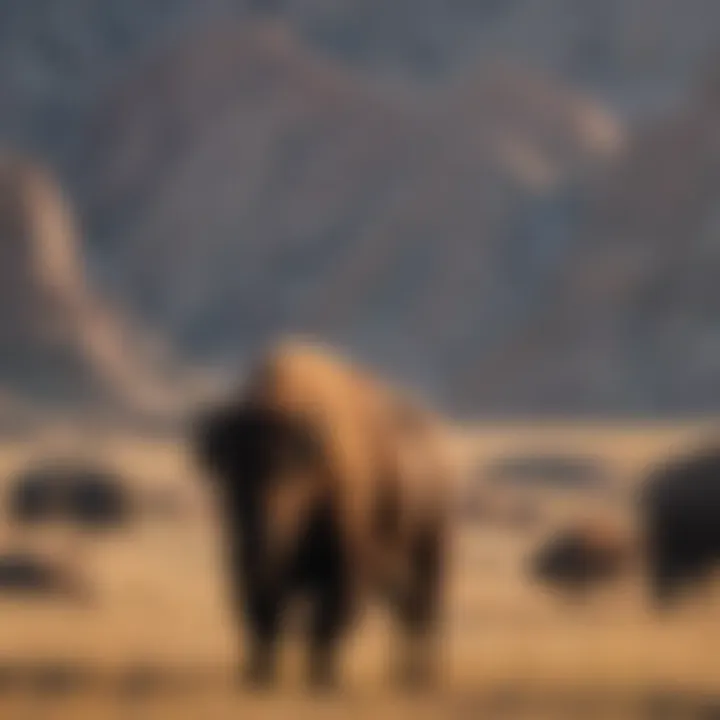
[
  {"x": 82, "y": 494},
  {"x": 583, "y": 556},
  {"x": 680, "y": 515},
  {"x": 333, "y": 488}
]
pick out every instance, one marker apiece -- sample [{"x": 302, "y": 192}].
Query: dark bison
[
  {"x": 583, "y": 556},
  {"x": 82, "y": 494},
  {"x": 25, "y": 573},
  {"x": 680, "y": 515},
  {"x": 332, "y": 486}
]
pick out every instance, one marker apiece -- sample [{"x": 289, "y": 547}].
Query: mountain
[
  {"x": 58, "y": 56},
  {"x": 631, "y": 325},
  {"x": 240, "y": 185},
  {"x": 61, "y": 344},
  {"x": 507, "y": 203}
]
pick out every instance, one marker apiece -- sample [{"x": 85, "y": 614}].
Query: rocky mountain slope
[
  {"x": 631, "y": 324},
  {"x": 509, "y": 203},
  {"x": 240, "y": 186},
  {"x": 55, "y": 57},
  {"x": 61, "y": 344}
]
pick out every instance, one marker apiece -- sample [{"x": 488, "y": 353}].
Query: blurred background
[{"x": 511, "y": 205}]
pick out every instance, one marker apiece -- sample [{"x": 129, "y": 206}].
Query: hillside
[
  {"x": 244, "y": 187},
  {"x": 61, "y": 344},
  {"x": 632, "y": 322},
  {"x": 507, "y": 203},
  {"x": 56, "y": 57}
]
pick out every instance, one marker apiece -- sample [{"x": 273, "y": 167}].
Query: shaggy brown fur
[{"x": 333, "y": 485}]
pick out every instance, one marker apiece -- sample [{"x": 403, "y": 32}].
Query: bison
[
  {"x": 680, "y": 516},
  {"x": 333, "y": 487},
  {"x": 73, "y": 491},
  {"x": 25, "y": 573},
  {"x": 582, "y": 556}
]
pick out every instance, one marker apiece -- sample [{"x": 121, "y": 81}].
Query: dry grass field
[{"x": 156, "y": 640}]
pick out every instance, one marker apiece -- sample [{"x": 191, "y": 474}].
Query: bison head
[
  {"x": 269, "y": 466},
  {"x": 253, "y": 447}
]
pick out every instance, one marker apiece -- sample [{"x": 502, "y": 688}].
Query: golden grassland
[{"x": 157, "y": 640}]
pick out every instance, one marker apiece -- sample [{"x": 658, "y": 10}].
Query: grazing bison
[
  {"x": 24, "y": 573},
  {"x": 332, "y": 486},
  {"x": 35, "y": 497},
  {"x": 583, "y": 556},
  {"x": 81, "y": 494},
  {"x": 680, "y": 515}
]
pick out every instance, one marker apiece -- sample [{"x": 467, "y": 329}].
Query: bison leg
[
  {"x": 418, "y": 611},
  {"x": 664, "y": 586},
  {"x": 333, "y": 596},
  {"x": 668, "y": 575},
  {"x": 329, "y": 573},
  {"x": 331, "y": 617},
  {"x": 263, "y": 623}
]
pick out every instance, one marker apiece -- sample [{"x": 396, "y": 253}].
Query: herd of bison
[{"x": 335, "y": 487}]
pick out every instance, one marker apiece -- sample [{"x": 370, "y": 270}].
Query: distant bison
[
  {"x": 583, "y": 556},
  {"x": 331, "y": 485},
  {"x": 24, "y": 573},
  {"x": 72, "y": 492},
  {"x": 680, "y": 514}
]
